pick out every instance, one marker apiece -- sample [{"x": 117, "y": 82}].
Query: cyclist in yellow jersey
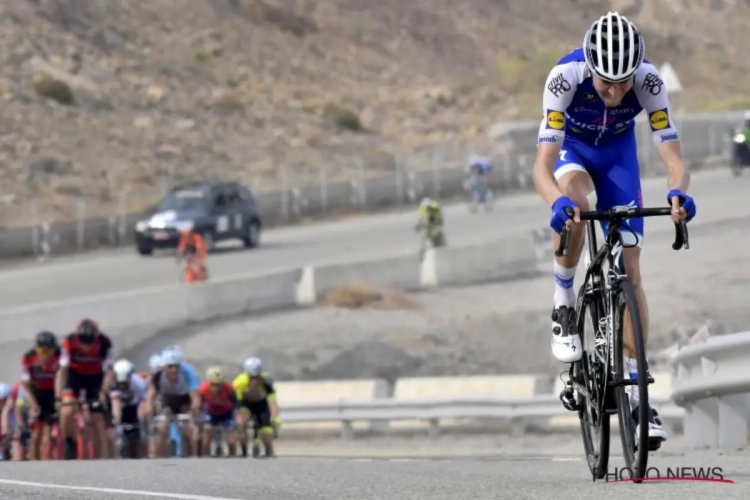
[
  {"x": 256, "y": 398},
  {"x": 431, "y": 221}
]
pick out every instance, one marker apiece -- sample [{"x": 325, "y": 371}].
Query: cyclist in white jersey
[{"x": 587, "y": 160}]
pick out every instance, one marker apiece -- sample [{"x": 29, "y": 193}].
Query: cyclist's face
[
  {"x": 610, "y": 92},
  {"x": 172, "y": 370},
  {"x": 44, "y": 352}
]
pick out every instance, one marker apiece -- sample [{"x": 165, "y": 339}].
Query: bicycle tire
[
  {"x": 636, "y": 457},
  {"x": 597, "y": 455}
]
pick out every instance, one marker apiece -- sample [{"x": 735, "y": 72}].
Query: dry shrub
[
  {"x": 365, "y": 295},
  {"x": 343, "y": 117},
  {"x": 52, "y": 88}
]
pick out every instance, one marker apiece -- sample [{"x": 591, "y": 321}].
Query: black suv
[{"x": 218, "y": 211}]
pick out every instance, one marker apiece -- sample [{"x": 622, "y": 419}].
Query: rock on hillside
[{"x": 103, "y": 95}]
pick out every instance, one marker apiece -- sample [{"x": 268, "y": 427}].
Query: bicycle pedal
[{"x": 568, "y": 399}]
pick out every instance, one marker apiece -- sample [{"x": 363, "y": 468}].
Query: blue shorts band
[{"x": 616, "y": 174}]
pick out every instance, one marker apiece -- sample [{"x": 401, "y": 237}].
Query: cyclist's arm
[
  {"x": 555, "y": 102},
  {"x": 655, "y": 101},
  {"x": 273, "y": 403},
  {"x": 114, "y": 396},
  {"x": 239, "y": 387},
  {"x": 28, "y": 388},
  {"x": 193, "y": 385},
  {"x": 5, "y": 417},
  {"x": 107, "y": 362},
  {"x": 62, "y": 373}
]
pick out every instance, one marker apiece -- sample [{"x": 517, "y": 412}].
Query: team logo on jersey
[
  {"x": 659, "y": 119},
  {"x": 590, "y": 97},
  {"x": 555, "y": 120},
  {"x": 559, "y": 85}
]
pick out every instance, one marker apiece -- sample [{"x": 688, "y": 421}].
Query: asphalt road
[
  {"x": 718, "y": 196},
  {"x": 491, "y": 478}
]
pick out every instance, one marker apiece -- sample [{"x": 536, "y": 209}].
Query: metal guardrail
[
  {"x": 424, "y": 173},
  {"x": 521, "y": 413},
  {"x": 712, "y": 383}
]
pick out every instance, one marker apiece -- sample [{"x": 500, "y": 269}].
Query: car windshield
[{"x": 187, "y": 200}]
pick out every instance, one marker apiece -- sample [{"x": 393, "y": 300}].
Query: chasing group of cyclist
[{"x": 74, "y": 401}]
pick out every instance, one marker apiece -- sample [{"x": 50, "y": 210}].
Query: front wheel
[
  {"x": 590, "y": 373},
  {"x": 635, "y": 448}
]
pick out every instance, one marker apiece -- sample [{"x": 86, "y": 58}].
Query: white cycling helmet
[
  {"x": 613, "y": 47},
  {"x": 4, "y": 390},
  {"x": 154, "y": 362},
  {"x": 253, "y": 366},
  {"x": 171, "y": 357},
  {"x": 174, "y": 348},
  {"x": 124, "y": 370}
]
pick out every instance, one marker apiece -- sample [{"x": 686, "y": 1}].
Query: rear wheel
[
  {"x": 635, "y": 448},
  {"x": 590, "y": 373}
]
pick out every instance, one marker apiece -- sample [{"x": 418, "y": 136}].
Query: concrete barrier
[
  {"x": 400, "y": 271},
  {"x": 509, "y": 258},
  {"x": 133, "y": 316},
  {"x": 326, "y": 392}
]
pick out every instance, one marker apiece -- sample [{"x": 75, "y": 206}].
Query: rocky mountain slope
[{"x": 99, "y": 96}]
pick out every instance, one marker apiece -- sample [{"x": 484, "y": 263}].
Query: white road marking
[{"x": 141, "y": 493}]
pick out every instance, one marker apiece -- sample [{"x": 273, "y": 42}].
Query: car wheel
[
  {"x": 145, "y": 249},
  {"x": 252, "y": 236}
]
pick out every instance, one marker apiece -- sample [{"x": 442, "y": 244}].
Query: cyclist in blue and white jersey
[
  {"x": 587, "y": 160},
  {"x": 177, "y": 387}
]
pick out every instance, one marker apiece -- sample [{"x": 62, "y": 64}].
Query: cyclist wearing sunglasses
[
  {"x": 177, "y": 388},
  {"x": 587, "y": 160},
  {"x": 39, "y": 368}
]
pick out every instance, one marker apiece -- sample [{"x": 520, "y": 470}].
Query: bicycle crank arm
[{"x": 623, "y": 383}]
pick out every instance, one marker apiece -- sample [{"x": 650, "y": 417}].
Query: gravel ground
[{"x": 496, "y": 328}]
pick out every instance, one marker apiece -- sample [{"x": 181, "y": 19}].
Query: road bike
[{"x": 597, "y": 384}]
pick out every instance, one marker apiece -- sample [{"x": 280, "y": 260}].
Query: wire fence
[{"x": 402, "y": 179}]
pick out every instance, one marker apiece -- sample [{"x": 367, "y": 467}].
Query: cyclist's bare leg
[
  {"x": 162, "y": 436},
  {"x": 98, "y": 433},
  {"x": 68, "y": 428},
  {"x": 632, "y": 256},
  {"x": 578, "y": 186},
  {"x": 242, "y": 419},
  {"x": 35, "y": 443},
  {"x": 189, "y": 438}
]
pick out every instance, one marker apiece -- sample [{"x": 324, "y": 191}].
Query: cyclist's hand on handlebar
[
  {"x": 683, "y": 206},
  {"x": 560, "y": 217}
]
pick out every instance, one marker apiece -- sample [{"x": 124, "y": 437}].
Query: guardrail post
[
  {"x": 347, "y": 430},
  {"x": 434, "y": 428},
  {"x": 701, "y": 423},
  {"x": 733, "y": 421},
  {"x": 518, "y": 428}
]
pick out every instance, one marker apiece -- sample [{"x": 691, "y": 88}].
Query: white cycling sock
[
  {"x": 631, "y": 366},
  {"x": 564, "y": 293}
]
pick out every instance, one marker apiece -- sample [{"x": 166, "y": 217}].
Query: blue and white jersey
[
  {"x": 572, "y": 106},
  {"x": 186, "y": 382}
]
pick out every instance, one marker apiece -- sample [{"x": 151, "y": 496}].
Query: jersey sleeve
[
  {"x": 25, "y": 368},
  {"x": 190, "y": 378},
  {"x": 155, "y": 378},
  {"x": 559, "y": 90},
  {"x": 65, "y": 352},
  {"x": 652, "y": 95},
  {"x": 107, "y": 353},
  {"x": 269, "y": 388}
]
